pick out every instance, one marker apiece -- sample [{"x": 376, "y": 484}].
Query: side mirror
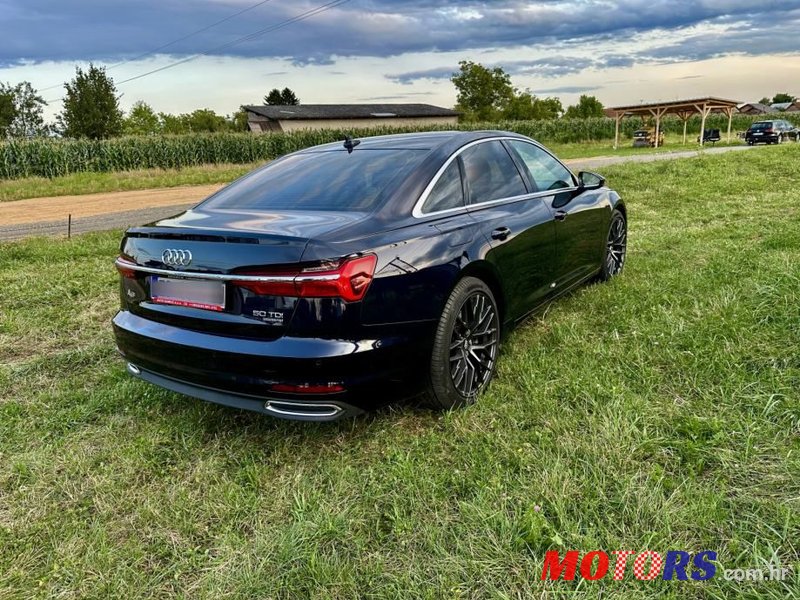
[{"x": 590, "y": 181}]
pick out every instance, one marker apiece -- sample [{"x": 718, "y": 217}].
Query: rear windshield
[
  {"x": 761, "y": 125},
  {"x": 333, "y": 180}
]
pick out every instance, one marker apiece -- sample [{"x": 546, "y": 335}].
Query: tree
[
  {"x": 91, "y": 106},
  {"x": 8, "y": 109},
  {"x": 21, "y": 111},
  {"x": 238, "y": 120},
  {"x": 482, "y": 93},
  {"x": 173, "y": 124},
  {"x": 782, "y": 97},
  {"x": 587, "y": 107},
  {"x": 206, "y": 120},
  {"x": 285, "y": 97},
  {"x": 29, "y": 121},
  {"x": 765, "y": 100},
  {"x": 525, "y": 106},
  {"x": 142, "y": 120}
]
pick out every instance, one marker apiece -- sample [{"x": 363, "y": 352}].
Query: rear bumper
[
  {"x": 240, "y": 372},
  {"x": 762, "y": 139},
  {"x": 329, "y": 409}
]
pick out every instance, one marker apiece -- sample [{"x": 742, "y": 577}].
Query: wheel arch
[
  {"x": 620, "y": 206},
  {"x": 487, "y": 273}
]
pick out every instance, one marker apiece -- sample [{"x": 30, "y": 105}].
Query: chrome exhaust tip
[
  {"x": 303, "y": 410},
  {"x": 133, "y": 369}
]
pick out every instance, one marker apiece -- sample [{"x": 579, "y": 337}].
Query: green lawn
[
  {"x": 90, "y": 183},
  {"x": 660, "y": 411}
]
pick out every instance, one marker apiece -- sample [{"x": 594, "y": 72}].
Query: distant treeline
[{"x": 56, "y": 157}]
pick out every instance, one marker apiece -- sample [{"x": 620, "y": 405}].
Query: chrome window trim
[
  {"x": 419, "y": 214},
  {"x": 224, "y": 277}
]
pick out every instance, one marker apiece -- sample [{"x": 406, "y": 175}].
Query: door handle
[
  {"x": 561, "y": 215},
  {"x": 501, "y": 233}
]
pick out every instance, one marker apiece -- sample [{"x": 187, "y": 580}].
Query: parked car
[
  {"x": 776, "y": 131},
  {"x": 647, "y": 138},
  {"x": 341, "y": 276}
]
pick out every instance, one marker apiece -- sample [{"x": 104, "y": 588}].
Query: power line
[
  {"x": 186, "y": 37},
  {"x": 301, "y": 17},
  {"x": 173, "y": 42},
  {"x": 297, "y": 18}
]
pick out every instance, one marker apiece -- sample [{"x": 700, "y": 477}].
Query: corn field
[{"x": 54, "y": 157}]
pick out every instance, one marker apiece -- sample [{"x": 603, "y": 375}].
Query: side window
[
  {"x": 491, "y": 173},
  {"x": 447, "y": 192},
  {"x": 547, "y": 173}
]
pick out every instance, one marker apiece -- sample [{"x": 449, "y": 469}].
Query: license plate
[
  {"x": 208, "y": 295},
  {"x": 758, "y": 133}
]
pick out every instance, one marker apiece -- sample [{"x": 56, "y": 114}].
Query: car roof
[{"x": 427, "y": 140}]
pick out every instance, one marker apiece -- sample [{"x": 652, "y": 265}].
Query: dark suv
[{"x": 771, "y": 132}]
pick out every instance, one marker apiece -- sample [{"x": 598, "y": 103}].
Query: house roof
[
  {"x": 349, "y": 111},
  {"x": 764, "y": 108},
  {"x": 781, "y": 105},
  {"x": 675, "y": 106}
]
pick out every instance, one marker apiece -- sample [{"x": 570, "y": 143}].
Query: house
[
  {"x": 345, "y": 116},
  {"x": 787, "y": 106},
  {"x": 755, "y": 108}
]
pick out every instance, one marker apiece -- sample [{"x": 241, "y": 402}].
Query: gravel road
[{"x": 98, "y": 212}]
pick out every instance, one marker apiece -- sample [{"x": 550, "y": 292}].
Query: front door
[{"x": 580, "y": 224}]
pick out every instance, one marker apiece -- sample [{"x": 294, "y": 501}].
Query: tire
[
  {"x": 465, "y": 346},
  {"x": 616, "y": 247}
]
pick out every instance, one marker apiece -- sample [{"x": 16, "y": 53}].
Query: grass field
[
  {"x": 660, "y": 411},
  {"x": 91, "y": 182}
]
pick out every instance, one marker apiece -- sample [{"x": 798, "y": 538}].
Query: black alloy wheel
[
  {"x": 616, "y": 247},
  {"x": 466, "y": 345}
]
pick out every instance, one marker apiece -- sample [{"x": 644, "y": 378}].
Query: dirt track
[
  {"x": 59, "y": 207},
  {"x": 115, "y": 210}
]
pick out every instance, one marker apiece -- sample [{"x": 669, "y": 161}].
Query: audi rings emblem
[{"x": 176, "y": 258}]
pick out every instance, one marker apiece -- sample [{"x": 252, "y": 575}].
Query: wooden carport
[{"x": 683, "y": 108}]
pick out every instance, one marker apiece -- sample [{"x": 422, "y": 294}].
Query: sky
[{"x": 180, "y": 55}]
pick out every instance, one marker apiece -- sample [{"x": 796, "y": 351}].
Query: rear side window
[
  {"x": 491, "y": 173},
  {"x": 448, "y": 191},
  {"x": 334, "y": 180},
  {"x": 547, "y": 173}
]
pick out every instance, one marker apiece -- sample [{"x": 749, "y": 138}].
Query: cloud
[
  {"x": 82, "y": 30},
  {"x": 429, "y": 74},
  {"x": 401, "y": 96},
  {"x": 569, "y": 89},
  {"x": 551, "y": 66}
]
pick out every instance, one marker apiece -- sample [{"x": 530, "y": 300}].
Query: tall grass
[{"x": 54, "y": 158}]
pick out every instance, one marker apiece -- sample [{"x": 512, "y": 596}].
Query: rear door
[
  {"x": 517, "y": 225},
  {"x": 580, "y": 220}
]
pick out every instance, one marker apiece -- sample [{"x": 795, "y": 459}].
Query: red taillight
[
  {"x": 770, "y": 130},
  {"x": 307, "y": 388},
  {"x": 348, "y": 280},
  {"x": 123, "y": 269}
]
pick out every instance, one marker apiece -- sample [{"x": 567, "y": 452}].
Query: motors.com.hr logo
[{"x": 675, "y": 565}]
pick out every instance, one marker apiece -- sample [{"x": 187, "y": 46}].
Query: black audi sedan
[{"x": 341, "y": 276}]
